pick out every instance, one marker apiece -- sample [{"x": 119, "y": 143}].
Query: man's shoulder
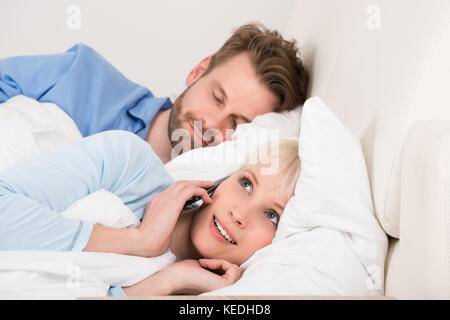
[
  {"x": 80, "y": 46},
  {"x": 85, "y": 51}
]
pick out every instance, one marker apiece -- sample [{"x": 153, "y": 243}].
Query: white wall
[{"x": 154, "y": 43}]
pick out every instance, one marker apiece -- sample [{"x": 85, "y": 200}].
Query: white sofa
[{"x": 383, "y": 66}]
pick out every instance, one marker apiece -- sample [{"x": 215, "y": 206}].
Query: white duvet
[
  {"x": 328, "y": 241},
  {"x": 29, "y": 128}
]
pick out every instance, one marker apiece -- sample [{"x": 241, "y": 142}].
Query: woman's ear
[{"x": 198, "y": 70}]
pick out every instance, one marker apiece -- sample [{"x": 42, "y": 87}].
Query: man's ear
[{"x": 198, "y": 70}]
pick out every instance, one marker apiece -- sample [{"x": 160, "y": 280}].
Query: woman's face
[{"x": 243, "y": 217}]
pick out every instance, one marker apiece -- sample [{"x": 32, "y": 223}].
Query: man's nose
[{"x": 220, "y": 121}]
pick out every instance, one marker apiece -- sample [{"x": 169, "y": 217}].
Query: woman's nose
[{"x": 239, "y": 218}]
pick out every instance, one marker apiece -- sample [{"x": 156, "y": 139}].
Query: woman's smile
[{"x": 219, "y": 232}]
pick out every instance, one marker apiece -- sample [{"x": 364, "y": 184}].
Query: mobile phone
[{"x": 196, "y": 201}]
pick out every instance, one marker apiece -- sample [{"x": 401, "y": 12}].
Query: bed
[
  {"x": 388, "y": 97},
  {"x": 328, "y": 243}
]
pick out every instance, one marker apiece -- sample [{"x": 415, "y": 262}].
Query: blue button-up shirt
[{"x": 88, "y": 88}]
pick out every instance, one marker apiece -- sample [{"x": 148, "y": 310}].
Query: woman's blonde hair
[{"x": 278, "y": 157}]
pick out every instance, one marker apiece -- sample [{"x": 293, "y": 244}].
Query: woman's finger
[
  {"x": 181, "y": 185},
  {"x": 192, "y": 191},
  {"x": 231, "y": 271}
]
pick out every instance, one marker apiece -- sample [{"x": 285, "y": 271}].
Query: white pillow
[{"x": 328, "y": 241}]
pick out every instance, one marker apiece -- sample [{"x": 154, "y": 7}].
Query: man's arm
[
  {"x": 82, "y": 83},
  {"x": 33, "y": 76},
  {"x": 34, "y": 192}
]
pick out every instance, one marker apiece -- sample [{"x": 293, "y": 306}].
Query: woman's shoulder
[
  {"x": 121, "y": 145},
  {"x": 120, "y": 139}
]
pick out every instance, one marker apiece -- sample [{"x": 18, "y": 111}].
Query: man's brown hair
[{"x": 276, "y": 62}]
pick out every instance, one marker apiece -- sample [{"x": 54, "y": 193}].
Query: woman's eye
[
  {"x": 272, "y": 216},
  {"x": 246, "y": 184}
]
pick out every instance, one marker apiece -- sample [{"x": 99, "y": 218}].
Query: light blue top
[
  {"x": 34, "y": 192},
  {"x": 88, "y": 88}
]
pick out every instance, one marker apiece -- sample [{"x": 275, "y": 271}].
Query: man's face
[
  {"x": 229, "y": 95},
  {"x": 247, "y": 206}
]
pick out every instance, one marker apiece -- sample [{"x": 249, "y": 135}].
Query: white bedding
[
  {"x": 29, "y": 128},
  {"x": 328, "y": 243},
  {"x": 66, "y": 275}
]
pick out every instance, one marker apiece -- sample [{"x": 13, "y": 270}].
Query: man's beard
[{"x": 176, "y": 119}]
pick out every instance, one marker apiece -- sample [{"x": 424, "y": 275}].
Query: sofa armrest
[{"x": 418, "y": 265}]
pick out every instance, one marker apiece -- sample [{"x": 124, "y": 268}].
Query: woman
[{"x": 240, "y": 218}]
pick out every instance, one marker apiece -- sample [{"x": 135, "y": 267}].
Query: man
[{"x": 255, "y": 72}]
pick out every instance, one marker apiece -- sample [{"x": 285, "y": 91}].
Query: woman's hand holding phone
[{"x": 162, "y": 214}]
